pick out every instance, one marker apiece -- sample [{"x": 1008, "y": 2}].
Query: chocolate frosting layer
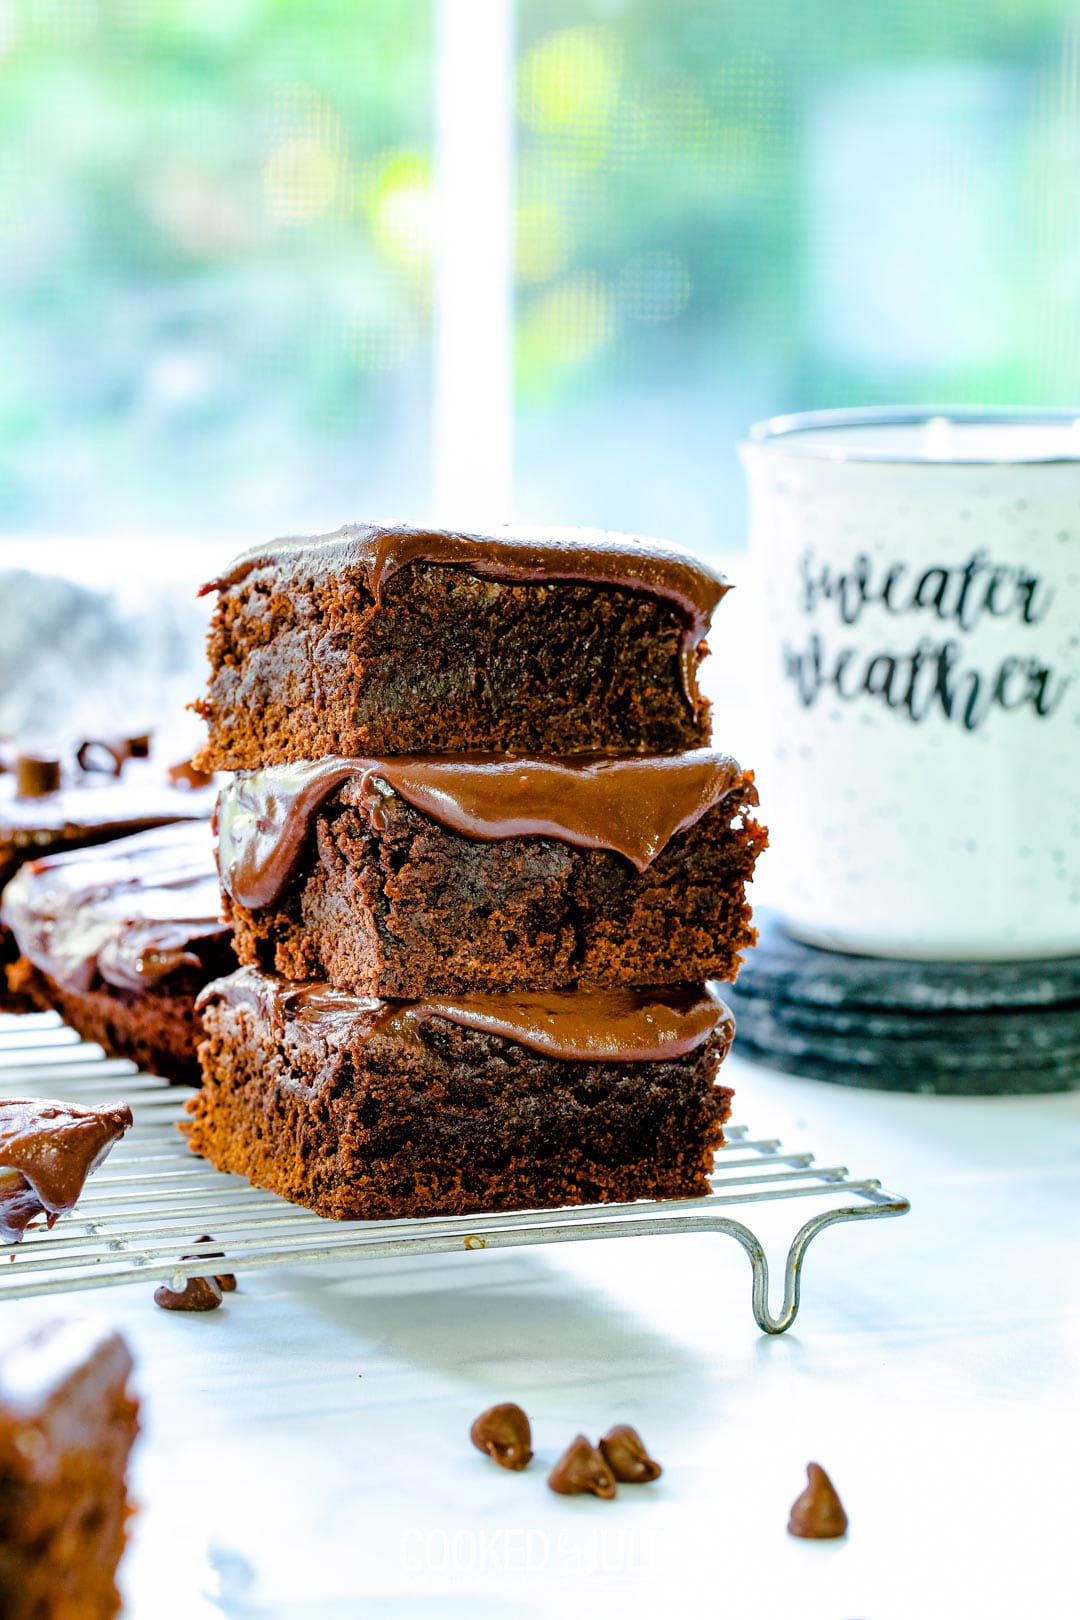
[
  {"x": 128, "y": 912},
  {"x": 572, "y": 1026},
  {"x": 632, "y": 804},
  {"x": 526, "y": 556},
  {"x": 47, "y": 1150}
]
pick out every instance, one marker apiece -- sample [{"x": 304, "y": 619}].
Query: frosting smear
[
  {"x": 128, "y": 912},
  {"x": 47, "y": 1150},
  {"x": 631, "y": 804},
  {"x": 571, "y": 1026}
]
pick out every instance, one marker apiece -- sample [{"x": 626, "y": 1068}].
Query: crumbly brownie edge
[
  {"x": 157, "y": 1029},
  {"x": 13, "y": 998},
  {"x": 415, "y": 908},
  {"x": 467, "y": 1123},
  {"x": 304, "y": 665}
]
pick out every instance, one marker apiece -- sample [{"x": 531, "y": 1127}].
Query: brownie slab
[
  {"x": 362, "y": 1108},
  {"x": 67, "y": 1423},
  {"x": 416, "y": 874},
  {"x": 120, "y": 938},
  {"x": 397, "y": 640},
  {"x": 87, "y": 807}
]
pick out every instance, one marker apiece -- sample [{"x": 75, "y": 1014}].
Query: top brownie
[{"x": 400, "y": 640}]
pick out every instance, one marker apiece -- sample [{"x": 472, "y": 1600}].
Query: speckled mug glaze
[{"x": 920, "y": 578}]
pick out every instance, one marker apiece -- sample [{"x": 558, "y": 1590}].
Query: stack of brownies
[{"x": 480, "y": 863}]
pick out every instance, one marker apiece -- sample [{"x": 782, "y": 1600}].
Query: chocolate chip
[
  {"x": 625, "y": 1454},
  {"x": 138, "y": 747},
  {"x": 818, "y": 1514},
  {"x": 503, "y": 1432},
  {"x": 102, "y": 754},
  {"x": 186, "y": 775},
  {"x": 582, "y": 1468},
  {"x": 199, "y": 1294},
  {"x": 225, "y": 1281},
  {"x": 36, "y": 775}
]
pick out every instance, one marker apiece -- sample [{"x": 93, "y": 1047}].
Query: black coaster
[
  {"x": 782, "y": 968},
  {"x": 961, "y": 1027}
]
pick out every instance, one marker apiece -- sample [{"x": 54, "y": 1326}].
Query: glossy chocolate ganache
[
  {"x": 632, "y": 804},
  {"x": 571, "y": 1026},
  {"x": 526, "y": 556},
  {"x": 47, "y": 1150},
  {"x": 129, "y": 913}
]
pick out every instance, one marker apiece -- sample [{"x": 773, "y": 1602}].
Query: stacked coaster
[
  {"x": 969, "y": 1028},
  {"x": 480, "y": 865}
]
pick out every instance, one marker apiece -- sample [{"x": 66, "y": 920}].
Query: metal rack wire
[{"x": 142, "y": 1212}]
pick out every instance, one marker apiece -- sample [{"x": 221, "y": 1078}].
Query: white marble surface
[
  {"x": 306, "y": 1457},
  {"x": 306, "y": 1452}
]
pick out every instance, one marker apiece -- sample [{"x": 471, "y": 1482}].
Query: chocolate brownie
[
  {"x": 47, "y": 1150},
  {"x": 12, "y": 1000},
  {"x": 361, "y": 1108},
  {"x": 120, "y": 938},
  {"x": 413, "y": 874},
  {"x": 396, "y": 640},
  {"x": 46, "y": 807},
  {"x": 67, "y": 1423}
]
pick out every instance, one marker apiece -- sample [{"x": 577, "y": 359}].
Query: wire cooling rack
[{"x": 142, "y": 1213}]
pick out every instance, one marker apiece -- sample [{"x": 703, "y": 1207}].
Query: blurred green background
[{"x": 216, "y": 265}]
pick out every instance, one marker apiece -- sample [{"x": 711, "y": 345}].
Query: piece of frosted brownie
[
  {"x": 120, "y": 938},
  {"x": 48, "y": 806},
  {"x": 47, "y": 1151},
  {"x": 361, "y": 1108},
  {"x": 67, "y": 1423},
  {"x": 412, "y": 874},
  {"x": 396, "y": 640}
]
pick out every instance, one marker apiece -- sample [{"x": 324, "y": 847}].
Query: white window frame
[{"x": 474, "y": 237}]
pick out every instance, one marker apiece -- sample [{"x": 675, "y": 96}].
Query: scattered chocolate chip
[
  {"x": 818, "y": 1514},
  {"x": 109, "y": 754},
  {"x": 186, "y": 775},
  {"x": 200, "y": 1294},
  {"x": 36, "y": 775},
  {"x": 102, "y": 754},
  {"x": 225, "y": 1281},
  {"x": 503, "y": 1432},
  {"x": 625, "y": 1454},
  {"x": 582, "y": 1468}
]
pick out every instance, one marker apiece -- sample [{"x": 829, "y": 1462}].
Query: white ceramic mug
[{"x": 920, "y": 578}]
